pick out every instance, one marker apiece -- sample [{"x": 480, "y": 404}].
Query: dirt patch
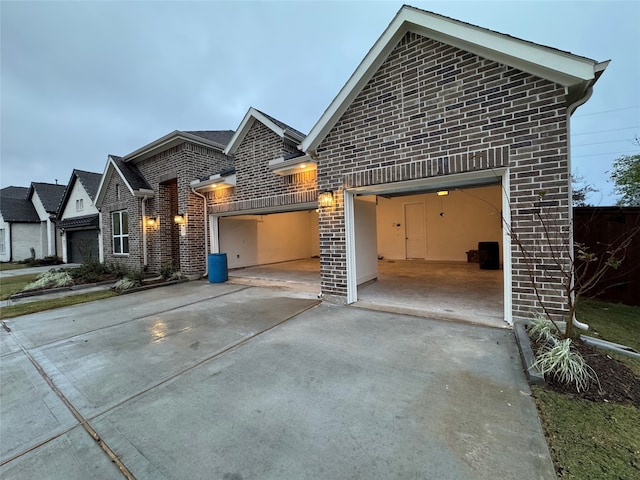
[{"x": 618, "y": 383}]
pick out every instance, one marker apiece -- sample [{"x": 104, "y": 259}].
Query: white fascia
[{"x": 214, "y": 182}]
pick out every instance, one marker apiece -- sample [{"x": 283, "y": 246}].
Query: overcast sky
[{"x": 81, "y": 80}]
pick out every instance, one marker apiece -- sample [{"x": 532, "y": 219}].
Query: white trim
[
  {"x": 214, "y": 233},
  {"x": 469, "y": 179},
  {"x": 350, "y": 241},
  {"x": 170, "y": 140},
  {"x": 507, "y": 265},
  {"x": 214, "y": 181},
  {"x": 247, "y": 122},
  {"x": 561, "y": 67}
]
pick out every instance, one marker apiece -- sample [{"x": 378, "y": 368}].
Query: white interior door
[{"x": 414, "y": 230}]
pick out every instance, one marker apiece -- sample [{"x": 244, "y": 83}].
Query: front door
[{"x": 414, "y": 230}]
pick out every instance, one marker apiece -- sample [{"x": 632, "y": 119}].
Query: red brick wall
[{"x": 434, "y": 110}]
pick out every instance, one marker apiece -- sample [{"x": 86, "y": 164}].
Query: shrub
[
  {"x": 124, "y": 284},
  {"x": 542, "y": 330},
  {"x": 50, "y": 279},
  {"x": 565, "y": 365},
  {"x": 167, "y": 270}
]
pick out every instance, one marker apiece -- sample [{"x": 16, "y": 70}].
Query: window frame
[{"x": 120, "y": 235}]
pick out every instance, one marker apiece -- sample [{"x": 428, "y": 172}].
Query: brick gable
[
  {"x": 256, "y": 185},
  {"x": 434, "y": 110}
]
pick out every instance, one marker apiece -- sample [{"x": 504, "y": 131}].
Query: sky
[{"x": 82, "y": 80}]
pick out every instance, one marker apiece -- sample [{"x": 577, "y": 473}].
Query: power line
[
  {"x": 602, "y": 154},
  {"x": 607, "y": 111},
  {"x": 604, "y": 131},
  {"x": 602, "y": 143}
]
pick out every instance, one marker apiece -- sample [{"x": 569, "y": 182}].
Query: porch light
[
  {"x": 180, "y": 219},
  {"x": 325, "y": 199},
  {"x": 152, "y": 222},
  {"x": 443, "y": 193}
]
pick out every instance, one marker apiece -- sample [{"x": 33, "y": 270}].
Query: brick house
[
  {"x": 437, "y": 105},
  {"x": 271, "y": 190},
  {"x": 149, "y": 215}
]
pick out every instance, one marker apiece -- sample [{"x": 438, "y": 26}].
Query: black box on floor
[{"x": 489, "y": 255}]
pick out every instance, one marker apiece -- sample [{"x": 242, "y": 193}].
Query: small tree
[{"x": 574, "y": 266}]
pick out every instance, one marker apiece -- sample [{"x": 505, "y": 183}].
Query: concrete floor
[
  {"x": 449, "y": 291},
  {"x": 230, "y": 382}
]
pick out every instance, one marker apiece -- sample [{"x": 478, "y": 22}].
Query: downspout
[
  {"x": 10, "y": 243},
  {"x": 570, "y": 109},
  {"x": 206, "y": 231},
  {"x": 144, "y": 232}
]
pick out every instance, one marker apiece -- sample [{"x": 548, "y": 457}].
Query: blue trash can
[{"x": 217, "y": 266}]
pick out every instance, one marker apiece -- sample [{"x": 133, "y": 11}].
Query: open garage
[{"x": 281, "y": 246}]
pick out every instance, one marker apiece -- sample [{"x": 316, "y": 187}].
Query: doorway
[{"x": 414, "y": 225}]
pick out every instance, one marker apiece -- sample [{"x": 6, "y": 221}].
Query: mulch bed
[{"x": 618, "y": 383}]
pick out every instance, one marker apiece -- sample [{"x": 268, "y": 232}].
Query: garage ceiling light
[{"x": 442, "y": 193}]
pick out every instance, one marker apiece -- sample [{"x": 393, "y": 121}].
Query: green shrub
[
  {"x": 167, "y": 270},
  {"x": 124, "y": 284},
  {"x": 541, "y": 330},
  {"x": 50, "y": 279},
  {"x": 565, "y": 365}
]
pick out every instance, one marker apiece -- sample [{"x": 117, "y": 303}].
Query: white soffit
[
  {"x": 555, "y": 65},
  {"x": 304, "y": 163}
]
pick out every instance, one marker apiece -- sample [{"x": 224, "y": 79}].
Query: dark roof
[
  {"x": 20, "y": 193},
  {"x": 284, "y": 126},
  {"x": 16, "y": 207},
  {"x": 132, "y": 175},
  {"x": 220, "y": 137},
  {"x": 90, "y": 181},
  {"x": 50, "y": 194},
  {"x": 79, "y": 222}
]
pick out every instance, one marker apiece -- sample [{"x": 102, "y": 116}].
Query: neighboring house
[
  {"x": 27, "y": 222},
  {"x": 78, "y": 218},
  {"x": 149, "y": 215},
  {"x": 20, "y": 227},
  {"x": 437, "y": 105},
  {"x": 45, "y": 198}
]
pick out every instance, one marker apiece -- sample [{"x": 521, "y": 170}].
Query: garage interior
[{"x": 415, "y": 252}]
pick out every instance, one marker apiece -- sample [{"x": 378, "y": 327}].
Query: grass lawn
[
  {"x": 614, "y": 322},
  {"x": 40, "y": 306},
  {"x": 11, "y": 266},
  {"x": 591, "y": 440},
  {"x": 11, "y": 285}
]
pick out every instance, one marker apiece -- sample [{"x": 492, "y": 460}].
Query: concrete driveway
[{"x": 231, "y": 382}]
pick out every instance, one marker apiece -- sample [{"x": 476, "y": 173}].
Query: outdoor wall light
[
  {"x": 180, "y": 219},
  {"x": 325, "y": 199},
  {"x": 152, "y": 222},
  {"x": 443, "y": 193}
]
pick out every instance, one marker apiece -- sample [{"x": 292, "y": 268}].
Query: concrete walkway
[{"x": 230, "y": 382}]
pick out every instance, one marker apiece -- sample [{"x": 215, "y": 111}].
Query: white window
[
  {"x": 2, "y": 231},
  {"x": 120, "y": 231},
  {"x": 79, "y": 205}
]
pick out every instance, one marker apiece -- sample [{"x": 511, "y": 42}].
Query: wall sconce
[
  {"x": 443, "y": 193},
  {"x": 325, "y": 199},
  {"x": 152, "y": 222},
  {"x": 180, "y": 219}
]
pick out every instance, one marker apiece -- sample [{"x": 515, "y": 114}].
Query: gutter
[
  {"x": 206, "y": 233},
  {"x": 598, "y": 70}
]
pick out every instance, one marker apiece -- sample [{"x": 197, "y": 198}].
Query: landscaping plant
[{"x": 565, "y": 365}]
